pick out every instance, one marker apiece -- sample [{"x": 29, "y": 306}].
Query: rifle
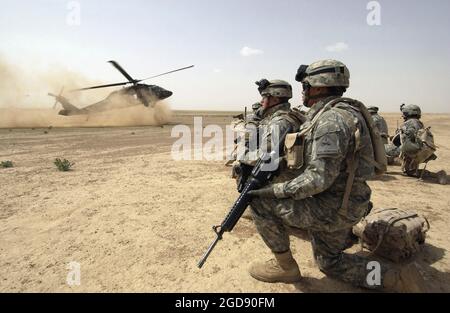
[
  {"x": 244, "y": 171},
  {"x": 264, "y": 170}
]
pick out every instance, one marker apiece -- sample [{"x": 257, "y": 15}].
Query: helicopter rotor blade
[
  {"x": 121, "y": 70},
  {"x": 180, "y": 69},
  {"x": 101, "y": 86}
]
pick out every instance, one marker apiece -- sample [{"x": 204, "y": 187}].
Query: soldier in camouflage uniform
[
  {"x": 380, "y": 123},
  {"x": 257, "y": 111},
  {"x": 312, "y": 197},
  {"x": 392, "y": 152},
  {"x": 408, "y": 137},
  {"x": 275, "y": 122},
  {"x": 246, "y": 129}
]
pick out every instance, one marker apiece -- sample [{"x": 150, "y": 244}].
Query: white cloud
[
  {"x": 247, "y": 51},
  {"x": 337, "y": 47},
  {"x": 217, "y": 70}
]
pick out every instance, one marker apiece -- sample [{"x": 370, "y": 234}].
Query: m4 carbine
[{"x": 262, "y": 173}]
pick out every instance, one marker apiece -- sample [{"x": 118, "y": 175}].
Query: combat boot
[
  {"x": 406, "y": 279},
  {"x": 442, "y": 177},
  {"x": 281, "y": 269}
]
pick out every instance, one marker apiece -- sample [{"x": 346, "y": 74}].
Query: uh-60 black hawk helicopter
[{"x": 144, "y": 94}]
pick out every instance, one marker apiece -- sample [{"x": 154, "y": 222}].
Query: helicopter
[{"x": 145, "y": 94}]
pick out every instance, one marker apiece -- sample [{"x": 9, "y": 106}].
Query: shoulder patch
[{"x": 328, "y": 145}]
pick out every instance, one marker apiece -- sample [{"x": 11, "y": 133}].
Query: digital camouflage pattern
[
  {"x": 405, "y": 145},
  {"x": 256, "y": 106},
  {"x": 409, "y": 145},
  {"x": 328, "y": 79},
  {"x": 392, "y": 151},
  {"x": 411, "y": 110},
  {"x": 310, "y": 198},
  {"x": 381, "y": 124},
  {"x": 408, "y": 136},
  {"x": 246, "y": 130},
  {"x": 256, "y": 112},
  {"x": 278, "y": 88},
  {"x": 272, "y": 130}
]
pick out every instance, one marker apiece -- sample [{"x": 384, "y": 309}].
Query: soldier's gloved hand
[{"x": 266, "y": 192}]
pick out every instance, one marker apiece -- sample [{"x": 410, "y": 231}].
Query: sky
[{"x": 403, "y": 58}]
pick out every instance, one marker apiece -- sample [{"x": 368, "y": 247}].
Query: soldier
[
  {"x": 276, "y": 120},
  {"x": 328, "y": 194},
  {"x": 410, "y": 144},
  {"x": 245, "y": 127},
  {"x": 256, "y": 108},
  {"x": 380, "y": 123}
]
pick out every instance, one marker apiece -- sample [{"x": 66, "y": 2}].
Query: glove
[{"x": 266, "y": 192}]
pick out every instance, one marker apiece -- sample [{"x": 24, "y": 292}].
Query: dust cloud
[
  {"x": 24, "y": 101},
  {"x": 137, "y": 115}
]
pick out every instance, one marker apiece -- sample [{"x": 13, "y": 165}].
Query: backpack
[
  {"x": 426, "y": 141},
  {"x": 392, "y": 233}
]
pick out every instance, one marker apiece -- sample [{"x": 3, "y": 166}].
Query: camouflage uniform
[
  {"x": 272, "y": 130},
  {"x": 246, "y": 130},
  {"x": 336, "y": 146},
  {"x": 380, "y": 123},
  {"x": 408, "y": 131},
  {"x": 392, "y": 151},
  {"x": 257, "y": 112},
  {"x": 311, "y": 197},
  {"x": 268, "y": 126},
  {"x": 409, "y": 147},
  {"x": 274, "y": 122}
]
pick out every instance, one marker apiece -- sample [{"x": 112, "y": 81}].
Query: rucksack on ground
[{"x": 392, "y": 233}]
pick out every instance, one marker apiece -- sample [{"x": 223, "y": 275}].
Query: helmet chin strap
[
  {"x": 308, "y": 97},
  {"x": 275, "y": 104}
]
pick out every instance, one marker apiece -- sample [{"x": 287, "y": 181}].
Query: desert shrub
[
  {"x": 63, "y": 165},
  {"x": 6, "y": 164}
]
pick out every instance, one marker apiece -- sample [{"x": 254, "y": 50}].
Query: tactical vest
[
  {"x": 294, "y": 143},
  {"x": 425, "y": 146}
]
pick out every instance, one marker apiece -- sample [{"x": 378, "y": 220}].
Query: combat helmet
[
  {"x": 256, "y": 106},
  {"x": 372, "y": 109},
  {"x": 325, "y": 73},
  {"x": 275, "y": 88},
  {"x": 410, "y": 110}
]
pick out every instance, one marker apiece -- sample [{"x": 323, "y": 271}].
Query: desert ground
[{"x": 138, "y": 221}]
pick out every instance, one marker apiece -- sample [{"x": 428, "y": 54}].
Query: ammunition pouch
[{"x": 294, "y": 147}]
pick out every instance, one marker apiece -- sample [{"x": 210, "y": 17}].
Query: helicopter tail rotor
[{"x": 56, "y": 97}]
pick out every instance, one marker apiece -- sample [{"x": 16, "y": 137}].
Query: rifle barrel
[{"x": 208, "y": 252}]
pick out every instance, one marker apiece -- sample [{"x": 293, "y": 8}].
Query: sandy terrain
[{"x": 136, "y": 220}]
